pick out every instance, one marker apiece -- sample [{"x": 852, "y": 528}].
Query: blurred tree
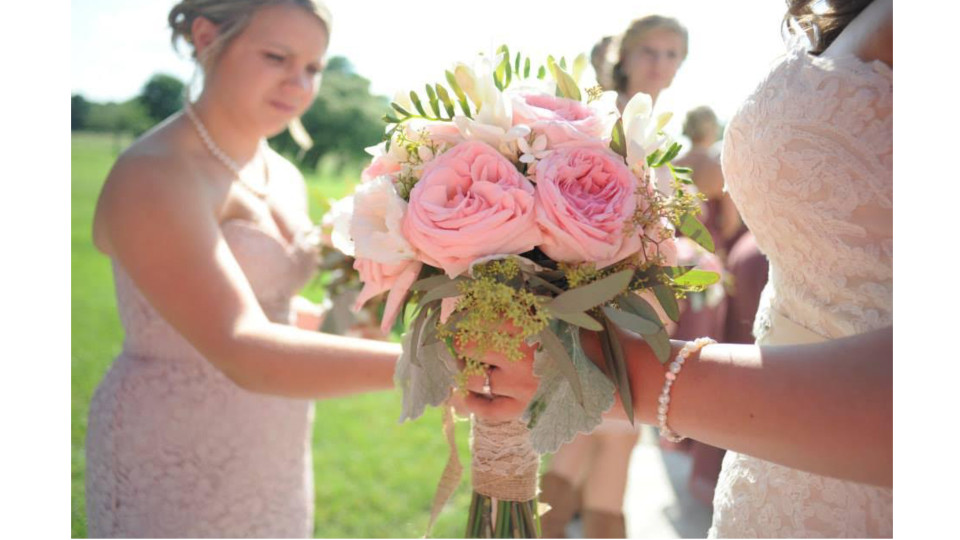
[
  {"x": 162, "y": 96},
  {"x": 126, "y": 117},
  {"x": 79, "y": 110},
  {"x": 343, "y": 120}
]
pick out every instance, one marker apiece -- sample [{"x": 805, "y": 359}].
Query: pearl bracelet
[{"x": 671, "y": 375}]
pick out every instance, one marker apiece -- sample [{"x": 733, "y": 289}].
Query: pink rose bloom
[
  {"x": 585, "y": 197},
  {"x": 470, "y": 202},
  {"x": 378, "y": 277},
  {"x": 560, "y": 119}
]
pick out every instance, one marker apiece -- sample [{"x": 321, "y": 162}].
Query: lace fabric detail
[
  {"x": 808, "y": 161},
  {"x": 174, "y": 448}
]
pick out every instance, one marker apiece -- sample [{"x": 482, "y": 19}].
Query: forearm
[
  {"x": 282, "y": 360},
  {"x": 824, "y": 408}
]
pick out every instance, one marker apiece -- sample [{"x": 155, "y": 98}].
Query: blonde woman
[{"x": 202, "y": 425}]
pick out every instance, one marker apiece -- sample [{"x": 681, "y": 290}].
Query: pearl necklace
[{"x": 221, "y": 156}]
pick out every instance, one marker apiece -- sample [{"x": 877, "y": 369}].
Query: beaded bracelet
[{"x": 671, "y": 375}]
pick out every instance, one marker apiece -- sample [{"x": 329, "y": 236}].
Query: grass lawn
[{"x": 374, "y": 478}]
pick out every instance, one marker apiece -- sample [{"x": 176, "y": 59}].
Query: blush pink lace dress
[
  {"x": 808, "y": 161},
  {"x": 174, "y": 448}
]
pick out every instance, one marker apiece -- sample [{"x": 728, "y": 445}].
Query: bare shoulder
[
  {"x": 151, "y": 177},
  {"x": 869, "y": 37}
]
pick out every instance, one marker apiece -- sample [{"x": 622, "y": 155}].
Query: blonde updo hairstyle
[
  {"x": 231, "y": 17},
  {"x": 629, "y": 39},
  {"x": 700, "y": 124}
]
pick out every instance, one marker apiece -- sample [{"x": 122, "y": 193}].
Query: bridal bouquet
[{"x": 512, "y": 195}]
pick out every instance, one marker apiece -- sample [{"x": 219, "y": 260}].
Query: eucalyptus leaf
[
  {"x": 443, "y": 291},
  {"x": 555, "y": 415},
  {"x": 580, "y": 319},
  {"x": 691, "y": 227},
  {"x": 430, "y": 282},
  {"x": 616, "y": 364},
  {"x": 635, "y": 304},
  {"x": 667, "y": 301},
  {"x": 630, "y": 321},
  {"x": 659, "y": 342},
  {"x": 697, "y": 278},
  {"x": 538, "y": 281},
  {"x": 591, "y": 295}
]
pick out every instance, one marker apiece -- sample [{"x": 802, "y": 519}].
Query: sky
[{"x": 116, "y": 45}]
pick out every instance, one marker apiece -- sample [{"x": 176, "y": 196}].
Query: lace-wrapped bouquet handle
[{"x": 509, "y": 193}]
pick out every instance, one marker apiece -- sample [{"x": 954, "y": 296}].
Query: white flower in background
[
  {"x": 338, "y": 218},
  {"x": 643, "y": 134},
  {"x": 375, "y": 226}
]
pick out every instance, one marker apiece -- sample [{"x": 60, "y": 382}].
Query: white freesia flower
[
  {"x": 642, "y": 132},
  {"x": 375, "y": 226}
]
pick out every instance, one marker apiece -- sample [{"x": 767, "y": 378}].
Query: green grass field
[{"x": 374, "y": 478}]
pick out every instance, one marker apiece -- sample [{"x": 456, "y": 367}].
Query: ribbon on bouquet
[{"x": 452, "y": 473}]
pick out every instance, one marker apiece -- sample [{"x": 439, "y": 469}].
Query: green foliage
[
  {"x": 128, "y": 117},
  {"x": 162, "y": 96},
  {"x": 79, "y": 111},
  {"x": 488, "y": 300}
]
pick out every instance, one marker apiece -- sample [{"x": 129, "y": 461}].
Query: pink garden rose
[
  {"x": 562, "y": 120},
  {"x": 470, "y": 202},
  {"x": 379, "y": 277},
  {"x": 585, "y": 197}
]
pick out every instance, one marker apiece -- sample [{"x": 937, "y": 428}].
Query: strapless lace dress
[
  {"x": 808, "y": 160},
  {"x": 174, "y": 448}
]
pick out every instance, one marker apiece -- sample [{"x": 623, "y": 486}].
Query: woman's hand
[{"x": 506, "y": 389}]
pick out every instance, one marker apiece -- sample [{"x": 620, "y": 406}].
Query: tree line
[{"x": 343, "y": 120}]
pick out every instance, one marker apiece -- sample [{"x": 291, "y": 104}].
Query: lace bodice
[
  {"x": 275, "y": 269},
  {"x": 808, "y": 161},
  {"x": 174, "y": 448}
]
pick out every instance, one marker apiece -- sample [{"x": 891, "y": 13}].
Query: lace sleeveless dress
[
  {"x": 174, "y": 448},
  {"x": 808, "y": 161}
]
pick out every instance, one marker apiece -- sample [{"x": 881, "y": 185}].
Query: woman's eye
[{"x": 274, "y": 57}]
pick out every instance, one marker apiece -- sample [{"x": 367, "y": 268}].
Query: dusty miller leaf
[
  {"x": 428, "y": 382},
  {"x": 554, "y": 415}
]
